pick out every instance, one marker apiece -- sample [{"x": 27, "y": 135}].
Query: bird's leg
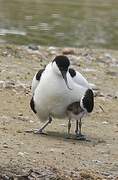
[
  {"x": 40, "y": 131},
  {"x": 78, "y": 132},
  {"x": 69, "y": 126},
  {"x": 80, "y": 127}
]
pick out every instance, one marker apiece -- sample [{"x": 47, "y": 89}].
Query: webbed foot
[
  {"x": 39, "y": 131},
  {"x": 80, "y": 136}
]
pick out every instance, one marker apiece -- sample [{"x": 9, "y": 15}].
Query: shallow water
[{"x": 78, "y": 23}]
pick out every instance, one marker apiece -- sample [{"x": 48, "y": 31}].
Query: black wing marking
[
  {"x": 38, "y": 75},
  {"x": 72, "y": 72},
  {"x": 32, "y": 105}
]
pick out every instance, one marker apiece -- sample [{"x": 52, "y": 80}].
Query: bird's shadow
[
  {"x": 89, "y": 140},
  {"x": 56, "y": 135},
  {"x": 72, "y": 138}
]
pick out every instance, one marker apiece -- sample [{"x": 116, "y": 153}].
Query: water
[{"x": 75, "y": 23}]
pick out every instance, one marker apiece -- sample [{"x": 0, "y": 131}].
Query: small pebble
[
  {"x": 5, "y": 146},
  {"x": 64, "y": 125},
  {"x": 97, "y": 161},
  {"x": 21, "y": 154},
  {"x": 105, "y": 122},
  {"x": 67, "y": 51},
  {"x": 20, "y": 114},
  {"x": 108, "y": 55},
  {"x": 19, "y": 131},
  {"x": 2, "y": 84},
  {"x": 33, "y": 47}
]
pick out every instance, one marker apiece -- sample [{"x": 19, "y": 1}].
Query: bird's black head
[
  {"x": 88, "y": 100},
  {"x": 62, "y": 63}
]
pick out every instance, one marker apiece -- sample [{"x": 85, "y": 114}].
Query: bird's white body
[
  {"x": 79, "y": 79},
  {"x": 52, "y": 96}
]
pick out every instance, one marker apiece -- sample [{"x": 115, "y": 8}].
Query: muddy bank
[{"x": 54, "y": 156}]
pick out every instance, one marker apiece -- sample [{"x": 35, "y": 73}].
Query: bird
[
  {"x": 53, "y": 90},
  {"x": 77, "y": 110}
]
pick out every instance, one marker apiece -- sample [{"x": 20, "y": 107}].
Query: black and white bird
[
  {"x": 54, "y": 90},
  {"x": 49, "y": 88},
  {"x": 77, "y": 110}
]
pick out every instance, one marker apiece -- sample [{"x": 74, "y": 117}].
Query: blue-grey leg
[
  {"x": 40, "y": 131},
  {"x": 80, "y": 127},
  {"x": 69, "y": 126},
  {"x": 78, "y": 132}
]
